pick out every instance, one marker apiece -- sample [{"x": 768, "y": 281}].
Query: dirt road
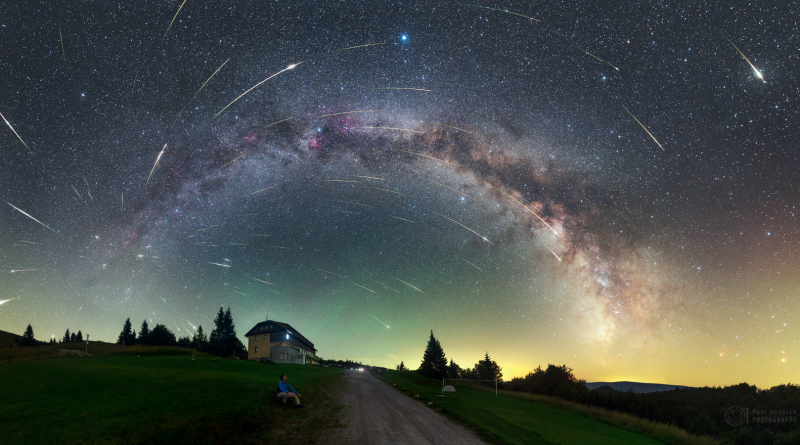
[{"x": 378, "y": 414}]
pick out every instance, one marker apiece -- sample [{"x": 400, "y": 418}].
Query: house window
[
  {"x": 265, "y": 337},
  {"x": 255, "y": 338},
  {"x": 256, "y": 349}
]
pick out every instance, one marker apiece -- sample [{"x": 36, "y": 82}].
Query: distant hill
[
  {"x": 7, "y": 338},
  {"x": 635, "y": 386}
]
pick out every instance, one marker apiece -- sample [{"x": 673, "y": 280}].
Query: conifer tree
[
  {"x": 79, "y": 337},
  {"x": 144, "y": 331},
  {"x": 27, "y": 337},
  {"x": 127, "y": 336},
  {"x": 66, "y": 337},
  {"x": 434, "y": 362}
]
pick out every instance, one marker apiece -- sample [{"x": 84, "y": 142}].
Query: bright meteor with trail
[
  {"x": 155, "y": 164},
  {"x": 645, "y": 128},
  {"x": 290, "y": 67},
  {"x": 15, "y": 133},
  {"x": 758, "y": 73}
]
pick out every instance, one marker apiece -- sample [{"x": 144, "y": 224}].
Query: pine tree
[
  {"x": 66, "y": 337},
  {"x": 402, "y": 366},
  {"x": 453, "y": 370},
  {"x": 144, "y": 331},
  {"x": 201, "y": 342},
  {"x": 72, "y": 338},
  {"x": 216, "y": 342},
  {"x": 127, "y": 336},
  {"x": 434, "y": 362},
  {"x": 488, "y": 369},
  {"x": 79, "y": 337},
  {"x": 27, "y": 337}
]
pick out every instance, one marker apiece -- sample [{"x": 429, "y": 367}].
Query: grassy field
[
  {"x": 154, "y": 399},
  {"x": 508, "y": 419}
]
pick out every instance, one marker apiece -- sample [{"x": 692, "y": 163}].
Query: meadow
[
  {"x": 145, "y": 395},
  {"x": 517, "y": 418}
]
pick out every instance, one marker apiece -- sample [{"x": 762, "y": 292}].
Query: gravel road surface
[{"x": 378, "y": 414}]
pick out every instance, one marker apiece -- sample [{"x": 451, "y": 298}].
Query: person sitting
[{"x": 286, "y": 391}]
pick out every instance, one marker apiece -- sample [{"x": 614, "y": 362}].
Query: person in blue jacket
[{"x": 286, "y": 391}]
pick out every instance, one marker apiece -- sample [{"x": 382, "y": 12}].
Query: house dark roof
[{"x": 269, "y": 326}]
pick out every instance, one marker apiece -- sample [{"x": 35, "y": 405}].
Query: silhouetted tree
[
  {"x": 200, "y": 339},
  {"x": 27, "y": 337},
  {"x": 161, "y": 336},
  {"x": 401, "y": 366},
  {"x": 127, "y": 336},
  {"x": 434, "y": 362},
  {"x": 79, "y": 337},
  {"x": 453, "y": 370},
  {"x": 66, "y": 337},
  {"x": 223, "y": 340},
  {"x": 144, "y": 332},
  {"x": 72, "y": 337},
  {"x": 488, "y": 369}
]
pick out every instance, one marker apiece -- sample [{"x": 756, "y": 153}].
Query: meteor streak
[
  {"x": 87, "y": 189},
  {"x": 384, "y": 190},
  {"x": 15, "y": 132},
  {"x": 79, "y": 195},
  {"x": 207, "y": 80},
  {"x": 241, "y": 293},
  {"x": 327, "y": 271},
  {"x": 386, "y": 285},
  {"x": 387, "y": 326},
  {"x": 758, "y": 73},
  {"x": 392, "y": 128},
  {"x": 528, "y": 209},
  {"x": 345, "y": 112},
  {"x": 645, "y": 128},
  {"x": 356, "y": 204},
  {"x": 551, "y": 251},
  {"x": 587, "y": 52},
  {"x": 360, "y": 46},
  {"x": 190, "y": 324},
  {"x": 362, "y": 287},
  {"x": 173, "y": 18},
  {"x": 290, "y": 67},
  {"x": 472, "y": 264},
  {"x": 454, "y": 128},
  {"x": 266, "y": 282},
  {"x": 392, "y": 88},
  {"x": 403, "y": 219},
  {"x": 229, "y": 163},
  {"x": 23, "y": 270},
  {"x": 462, "y": 225},
  {"x": 154, "y": 165},
  {"x": 368, "y": 177},
  {"x": 504, "y": 10},
  {"x": 398, "y": 279},
  {"x": 29, "y": 216},
  {"x": 164, "y": 300},
  {"x": 61, "y": 37},
  {"x": 275, "y": 123},
  {"x": 6, "y": 301},
  {"x": 221, "y": 265},
  {"x": 462, "y": 194}
]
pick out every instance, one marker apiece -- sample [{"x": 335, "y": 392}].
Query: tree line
[
  {"x": 222, "y": 340},
  {"x": 435, "y": 365},
  {"x": 29, "y": 339}
]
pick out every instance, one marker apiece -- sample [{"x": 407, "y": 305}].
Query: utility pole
[{"x": 87, "y": 344}]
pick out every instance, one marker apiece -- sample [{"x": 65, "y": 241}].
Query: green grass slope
[
  {"x": 504, "y": 419},
  {"x": 154, "y": 399}
]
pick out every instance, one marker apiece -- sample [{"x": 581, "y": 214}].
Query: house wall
[
  {"x": 262, "y": 345},
  {"x": 287, "y": 355}
]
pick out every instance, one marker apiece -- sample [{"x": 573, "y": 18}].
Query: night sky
[{"x": 610, "y": 186}]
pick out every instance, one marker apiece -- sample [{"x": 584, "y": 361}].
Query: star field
[{"x": 429, "y": 166}]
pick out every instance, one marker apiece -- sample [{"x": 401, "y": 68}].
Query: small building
[{"x": 280, "y": 343}]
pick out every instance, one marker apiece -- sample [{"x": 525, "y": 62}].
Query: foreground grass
[
  {"x": 155, "y": 399},
  {"x": 20, "y": 353},
  {"x": 507, "y": 419}
]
